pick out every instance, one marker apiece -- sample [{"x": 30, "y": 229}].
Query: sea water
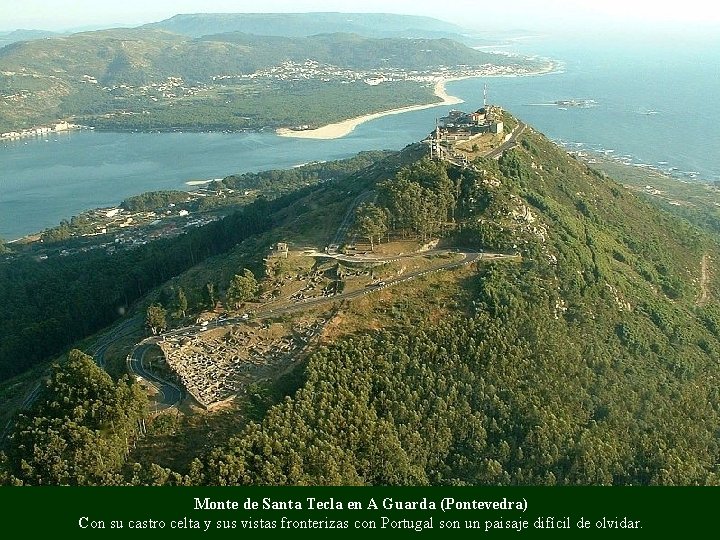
[{"x": 656, "y": 99}]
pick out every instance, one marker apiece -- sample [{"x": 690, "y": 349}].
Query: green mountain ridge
[
  {"x": 592, "y": 360},
  {"x": 353, "y": 50},
  {"x": 6, "y": 38},
  {"x": 307, "y": 24}
]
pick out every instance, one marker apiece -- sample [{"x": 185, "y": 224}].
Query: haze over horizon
[{"x": 559, "y": 15}]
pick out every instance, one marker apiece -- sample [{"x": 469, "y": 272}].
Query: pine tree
[
  {"x": 209, "y": 296},
  {"x": 242, "y": 288},
  {"x": 370, "y": 223},
  {"x": 156, "y": 318},
  {"x": 181, "y": 302}
]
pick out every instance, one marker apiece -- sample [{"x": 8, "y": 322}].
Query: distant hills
[
  {"x": 287, "y": 25},
  {"x": 6, "y": 38},
  {"x": 126, "y": 55},
  {"x": 161, "y": 53},
  {"x": 307, "y": 24},
  {"x": 354, "y": 51}
]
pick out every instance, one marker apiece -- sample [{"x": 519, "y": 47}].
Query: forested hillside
[
  {"x": 48, "y": 305},
  {"x": 81, "y": 429},
  {"x": 354, "y": 51},
  {"x": 592, "y": 360},
  {"x": 137, "y": 56},
  {"x": 308, "y": 24},
  {"x": 591, "y": 363}
]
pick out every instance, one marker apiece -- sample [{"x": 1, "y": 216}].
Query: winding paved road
[
  {"x": 123, "y": 329},
  {"x": 170, "y": 392}
]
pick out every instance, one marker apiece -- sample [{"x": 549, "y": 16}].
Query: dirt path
[{"x": 704, "y": 280}]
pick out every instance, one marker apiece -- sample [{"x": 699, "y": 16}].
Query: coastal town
[
  {"x": 39, "y": 131},
  {"x": 113, "y": 229},
  {"x": 313, "y": 70}
]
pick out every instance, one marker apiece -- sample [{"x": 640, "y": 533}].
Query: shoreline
[
  {"x": 345, "y": 127},
  {"x": 593, "y": 157},
  {"x": 340, "y": 129}
]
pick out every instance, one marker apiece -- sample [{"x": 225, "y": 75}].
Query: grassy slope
[{"x": 697, "y": 202}]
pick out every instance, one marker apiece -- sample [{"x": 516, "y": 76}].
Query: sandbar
[{"x": 340, "y": 129}]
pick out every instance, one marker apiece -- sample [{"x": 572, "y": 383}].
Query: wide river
[{"x": 659, "y": 106}]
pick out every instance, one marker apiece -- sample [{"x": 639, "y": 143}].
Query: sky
[{"x": 530, "y": 14}]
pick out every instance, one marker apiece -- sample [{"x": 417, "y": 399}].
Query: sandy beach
[{"x": 340, "y": 129}]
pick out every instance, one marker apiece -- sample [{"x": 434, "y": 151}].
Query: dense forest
[
  {"x": 79, "y": 431},
  {"x": 254, "y": 106},
  {"x": 508, "y": 396},
  {"x": 591, "y": 361},
  {"x": 285, "y": 181},
  {"x": 49, "y": 304}
]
